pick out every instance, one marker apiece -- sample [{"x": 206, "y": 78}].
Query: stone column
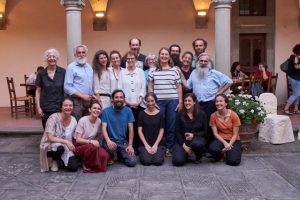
[
  {"x": 222, "y": 34},
  {"x": 73, "y": 16}
]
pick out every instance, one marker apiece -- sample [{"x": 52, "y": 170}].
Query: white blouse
[
  {"x": 133, "y": 84},
  {"x": 115, "y": 79}
]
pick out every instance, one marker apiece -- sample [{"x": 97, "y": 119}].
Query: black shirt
[
  {"x": 292, "y": 71},
  {"x": 184, "y": 124},
  {"x": 151, "y": 125},
  {"x": 188, "y": 73},
  {"x": 52, "y": 90}
]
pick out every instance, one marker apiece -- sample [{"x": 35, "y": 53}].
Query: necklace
[
  {"x": 115, "y": 75},
  {"x": 223, "y": 117}
]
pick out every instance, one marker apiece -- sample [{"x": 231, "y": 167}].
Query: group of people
[
  {"x": 121, "y": 107},
  {"x": 261, "y": 72}
]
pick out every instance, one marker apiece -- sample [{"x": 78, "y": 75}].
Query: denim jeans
[
  {"x": 295, "y": 97},
  {"x": 128, "y": 160},
  {"x": 167, "y": 108}
]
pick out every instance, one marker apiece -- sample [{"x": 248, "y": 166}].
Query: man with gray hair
[
  {"x": 79, "y": 82},
  {"x": 206, "y": 83}
]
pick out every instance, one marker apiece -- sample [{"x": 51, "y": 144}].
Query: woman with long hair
[
  {"x": 56, "y": 143},
  {"x": 86, "y": 141},
  {"x": 225, "y": 124},
  {"x": 151, "y": 130},
  {"x": 165, "y": 82},
  {"x": 102, "y": 87},
  {"x": 236, "y": 72},
  {"x": 191, "y": 129}
]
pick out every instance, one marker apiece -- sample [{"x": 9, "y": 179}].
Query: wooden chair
[
  {"x": 272, "y": 83},
  {"x": 246, "y": 85},
  {"x": 15, "y": 106},
  {"x": 27, "y": 88}
]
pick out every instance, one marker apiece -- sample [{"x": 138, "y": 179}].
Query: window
[
  {"x": 252, "y": 7},
  {"x": 252, "y": 50}
]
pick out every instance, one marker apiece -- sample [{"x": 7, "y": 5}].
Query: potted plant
[{"x": 251, "y": 114}]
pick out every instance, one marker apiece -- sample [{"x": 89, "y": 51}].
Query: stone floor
[{"x": 266, "y": 172}]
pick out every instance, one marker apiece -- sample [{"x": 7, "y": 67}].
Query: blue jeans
[
  {"x": 167, "y": 108},
  {"x": 294, "y": 98},
  {"x": 129, "y": 161}
]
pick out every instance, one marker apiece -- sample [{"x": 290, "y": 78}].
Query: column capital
[
  {"x": 73, "y": 3},
  {"x": 222, "y": 3}
]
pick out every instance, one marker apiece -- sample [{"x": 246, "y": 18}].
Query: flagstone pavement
[{"x": 266, "y": 172}]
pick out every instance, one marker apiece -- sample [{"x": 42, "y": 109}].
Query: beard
[
  {"x": 81, "y": 61},
  {"x": 118, "y": 107},
  {"x": 203, "y": 70}
]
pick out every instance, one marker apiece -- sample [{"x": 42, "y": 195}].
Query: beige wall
[
  {"x": 286, "y": 36},
  {"x": 35, "y": 25}
]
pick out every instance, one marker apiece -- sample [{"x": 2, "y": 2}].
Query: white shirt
[
  {"x": 115, "y": 79},
  {"x": 133, "y": 84}
]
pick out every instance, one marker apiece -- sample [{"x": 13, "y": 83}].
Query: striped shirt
[{"x": 165, "y": 83}]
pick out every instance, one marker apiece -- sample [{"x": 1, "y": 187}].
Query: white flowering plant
[{"x": 248, "y": 108}]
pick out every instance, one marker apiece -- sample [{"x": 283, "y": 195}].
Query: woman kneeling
[
  {"x": 151, "y": 130},
  {"x": 87, "y": 135},
  {"x": 56, "y": 143},
  {"x": 191, "y": 128},
  {"x": 225, "y": 125}
]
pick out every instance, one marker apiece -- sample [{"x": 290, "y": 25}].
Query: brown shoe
[{"x": 168, "y": 153}]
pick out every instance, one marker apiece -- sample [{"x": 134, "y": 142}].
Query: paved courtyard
[{"x": 266, "y": 172}]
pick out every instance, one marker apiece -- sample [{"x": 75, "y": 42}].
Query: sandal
[
  {"x": 287, "y": 112},
  {"x": 296, "y": 111}
]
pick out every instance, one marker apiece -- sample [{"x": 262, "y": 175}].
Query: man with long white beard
[
  {"x": 206, "y": 83},
  {"x": 79, "y": 82}
]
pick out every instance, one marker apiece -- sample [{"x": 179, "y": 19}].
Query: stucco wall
[
  {"x": 287, "y": 34},
  {"x": 35, "y": 25}
]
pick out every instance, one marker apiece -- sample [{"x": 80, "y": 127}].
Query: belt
[{"x": 104, "y": 95}]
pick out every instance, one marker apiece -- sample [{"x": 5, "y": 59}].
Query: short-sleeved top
[
  {"x": 225, "y": 128},
  {"x": 55, "y": 127},
  {"x": 52, "y": 90},
  {"x": 117, "y": 122},
  {"x": 205, "y": 89},
  {"x": 184, "y": 124},
  {"x": 86, "y": 129},
  {"x": 165, "y": 83},
  {"x": 151, "y": 125},
  {"x": 292, "y": 71}
]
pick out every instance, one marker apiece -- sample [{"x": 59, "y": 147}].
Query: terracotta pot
[{"x": 247, "y": 132}]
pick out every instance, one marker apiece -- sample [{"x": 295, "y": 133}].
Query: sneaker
[
  {"x": 168, "y": 153},
  {"x": 54, "y": 166}
]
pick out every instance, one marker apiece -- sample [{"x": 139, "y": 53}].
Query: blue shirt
[
  {"x": 206, "y": 89},
  {"x": 117, "y": 122},
  {"x": 79, "y": 79}
]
